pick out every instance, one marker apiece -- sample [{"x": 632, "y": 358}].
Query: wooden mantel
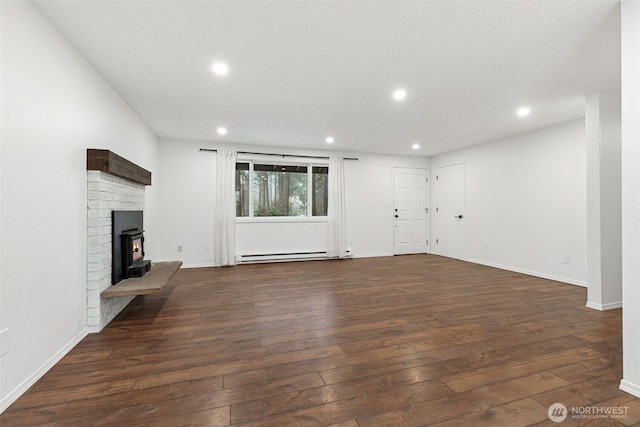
[{"x": 109, "y": 162}]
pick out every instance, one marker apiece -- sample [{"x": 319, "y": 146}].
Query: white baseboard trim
[
  {"x": 630, "y": 388},
  {"x": 14, "y": 394},
  {"x": 530, "y": 273},
  {"x": 604, "y": 307}
]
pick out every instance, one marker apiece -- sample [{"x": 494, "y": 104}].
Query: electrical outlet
[
  {"x": 179, "y": 248},
  {"x": 566, "y": 258},
  {"x": 4, "y": 341}
]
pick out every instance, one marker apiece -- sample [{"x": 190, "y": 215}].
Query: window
[
  {"x": 281, "y": 190},
  {"x": 242, "y": 189},
  {"x": 319, "y": 190}
]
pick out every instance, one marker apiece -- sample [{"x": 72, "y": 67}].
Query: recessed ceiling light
[
  {"x": 415, "y": 146},
  {"x": 220, "y": 68},
  {"x": 399, "y": 94},
  {"x": 523, "y": 111},
  {"x": 221, "y": 131},
  {"x": 329, "y": 140}
]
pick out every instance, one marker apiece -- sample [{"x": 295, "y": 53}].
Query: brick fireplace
[{"x": 111, "y": 185}]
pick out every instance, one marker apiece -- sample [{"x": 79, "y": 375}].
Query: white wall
[
  {"x": 278, "y": 236},
  {"x": 54, "y": 107},
  {"x": 526, "y": 200},
  {"x": 187, "y": 196},
  {"x": 186, "y": 189},
  {"x": 370, "y": 215},
  {"x": 630, "y": 17}
]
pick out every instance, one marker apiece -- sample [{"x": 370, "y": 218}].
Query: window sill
[{"x": 281, "y": 219}]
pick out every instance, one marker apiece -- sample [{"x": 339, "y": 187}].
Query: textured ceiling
[{"x": 300, "y": 71}]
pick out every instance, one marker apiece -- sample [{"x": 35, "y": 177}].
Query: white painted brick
[
  {"x": 96, "y": 186},
  {"x": 106, "y": 270},
  {"x": 94, "y": 195},
  {"x": 93, "y": 211},
  {"x": 95, "y": 231},
  {"x": 101, "y": 260},
  {"x": 98, "y": 275},
  {"x": 99, "y": 222},
  {"x": 105, "y": 193},
  {"x": 93, "y": 175},
  {"x": 98, "y": 249},
  {"x": 93, "y": 287},
  {"x": 99, "y": 231},
  {"x": 98, "y": 240},
  {"x": 94, "y": 302},
  {"x": 93, "y": 267}
]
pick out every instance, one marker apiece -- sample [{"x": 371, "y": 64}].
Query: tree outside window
[
  {"x": 270, "y": 190},
  {"x": 242, "y": 189},
  {"x": 320, "y": 190}
]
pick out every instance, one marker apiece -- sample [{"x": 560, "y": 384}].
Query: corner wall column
[
  {"x": 604, "y": 210},
  {"x": 630, "y": 16}
]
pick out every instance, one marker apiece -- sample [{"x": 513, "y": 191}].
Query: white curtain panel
[
  {"x": 224, "y": 226},
  {"x": 336, "y": 211}
]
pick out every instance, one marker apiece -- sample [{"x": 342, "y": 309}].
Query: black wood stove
[{"x": 127, "y": 246}]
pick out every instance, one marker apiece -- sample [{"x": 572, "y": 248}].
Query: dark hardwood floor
[{"x": 398, "y": 341}]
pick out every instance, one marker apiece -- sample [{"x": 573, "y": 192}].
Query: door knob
[{"x": 458, "y": 216}]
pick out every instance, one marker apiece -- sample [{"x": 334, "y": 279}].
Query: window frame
[{"x": 309, "y": 217}]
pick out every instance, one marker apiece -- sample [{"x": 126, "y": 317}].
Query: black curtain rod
[{"x": 279, "y": 155}]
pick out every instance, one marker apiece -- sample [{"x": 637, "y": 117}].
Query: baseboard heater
[{"x": 289, "y": 256}]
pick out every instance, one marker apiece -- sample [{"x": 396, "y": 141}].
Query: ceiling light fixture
[
  {"x": 523, "y": 111},
  {"x": 221, "y": 131},
  {"x": 220, "y": 68},
  {"x": 399, "y": 94},
  {"x": 415, "y": 146},
  {"x": 329, "y": 140}
]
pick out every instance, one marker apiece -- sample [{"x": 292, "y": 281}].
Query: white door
[
  {"x": 449, "y": 211},
  {"x": 410, "y": 211}
]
